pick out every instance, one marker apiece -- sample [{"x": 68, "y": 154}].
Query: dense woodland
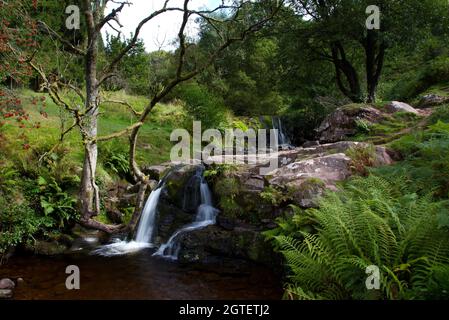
[{"x": 84, "y": 110}]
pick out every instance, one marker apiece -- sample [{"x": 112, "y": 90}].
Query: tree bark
[
  {"x": 89, "y": 191},
  {"x": 343, "y": 67},
  {"x": 374, "y": 54}
]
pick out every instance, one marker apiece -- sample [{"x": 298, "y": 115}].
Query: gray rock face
[
  {"x": 319, "y": 168},
  {"x": 431, "y": 100},
  {"x": 396, "y": 106},
  {"x": 328, "y": 168},
  {"x": 342, "y": 123},
  {"x": 7, "y": 284}
]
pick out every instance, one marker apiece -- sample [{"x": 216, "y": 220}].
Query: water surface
[{"x": 139, "y": 276}]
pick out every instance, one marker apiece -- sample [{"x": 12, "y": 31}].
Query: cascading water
[
  {"x": 206, "y": 215},
  {"x": 284, "y": 140},
  {"x": 196, "y": 192},
  {"x": 144, "y": 233},
  {"x": 146, "y": 224}
]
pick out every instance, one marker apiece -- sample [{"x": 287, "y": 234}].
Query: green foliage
[
  {"x": 275, "y": 196},
  {"x": 18, "y": 223},
  {"x": 363, "y": 126},
  {"x": 371, "y": 222},
  {"x": 55, "y": 202},
  {"x": 433, "y": 72},
  {"x": 8, "y": 178},
  {"x": 228, "y": 189},
  {"x": 362, "y": 157},
  {"x": 203, "y": 105},
  {"x": 115, "y": 157},
  {"x": 440, "y": 113},
  {"x": 303, "y": 116}
]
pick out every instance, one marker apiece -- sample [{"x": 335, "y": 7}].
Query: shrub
[{"x": 18, "y": 223}]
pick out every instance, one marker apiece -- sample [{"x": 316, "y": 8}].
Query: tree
[
  {"x": 336, "y": 27},
  {"x": 85, "y": 113}
]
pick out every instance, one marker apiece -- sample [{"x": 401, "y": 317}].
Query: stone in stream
[
  {"x": 7, "y": 284},
  {"x": 6, "y": 288},
  {"x": 6, "y": 293}
]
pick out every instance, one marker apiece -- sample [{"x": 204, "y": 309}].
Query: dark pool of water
[{"x": 139, "y": 276}]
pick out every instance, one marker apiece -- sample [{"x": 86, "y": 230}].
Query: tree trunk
[
  {"x": 89, "y": 193},
  {"x": 344, "y": 68},
  {"x": 374, "y": 63}
]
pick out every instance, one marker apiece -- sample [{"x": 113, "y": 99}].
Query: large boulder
[
  {"x": 344, "y": 121},
  {"x": 396, "y": 106},
  {"x": 329, "y": 168},
  {"x": 319, "y": 168}
]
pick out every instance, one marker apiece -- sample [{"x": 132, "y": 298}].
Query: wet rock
[
  {"x": 225, "y": 222},
  {"x": 155, "y": 172},
  {"x": 183, "y": 180},
  {"x": 7, "y": 284},
  {"x": 431, "y": 100},
  {"x": 6, "y": 293},
  {"x": 242, "y": 243},
  {"x": 47, "y": 248},
  {"x": 396, "y": 106},
  {"x": 169, "y": 219},
  {"x": 343, "y": 122}
]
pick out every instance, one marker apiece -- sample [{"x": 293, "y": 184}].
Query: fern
[{"x": 372, "y": 222}]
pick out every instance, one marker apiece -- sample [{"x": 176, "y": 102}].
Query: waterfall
[
  {"x": 205, "y": 216},
  {"x": 146, "y": 224},
  {"x": 284, "y": 140},
  {"x": 144, "y": 233}
]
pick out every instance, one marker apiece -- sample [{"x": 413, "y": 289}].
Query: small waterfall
[
  {"x": 146, "y": 224},
  {"x": 284, "y": 140},
  {"x": 206, "y": 215},
  {"x": 144, "y": 233}
]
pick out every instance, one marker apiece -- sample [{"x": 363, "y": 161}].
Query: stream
[{"x": 139, "y": 276}]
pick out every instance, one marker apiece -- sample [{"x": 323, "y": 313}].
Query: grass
[
  {"x": 391, "y": 126},
  {"x": 154, "y": 139}
]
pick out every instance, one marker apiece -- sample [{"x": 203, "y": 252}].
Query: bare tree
[{"x": 235, "y": 27}]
